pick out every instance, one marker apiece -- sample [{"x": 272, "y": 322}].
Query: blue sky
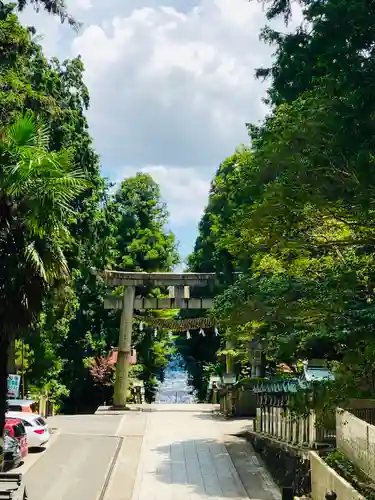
[{"x": 172, "y": 86}]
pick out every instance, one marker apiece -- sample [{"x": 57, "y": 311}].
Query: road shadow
[
  {"x": 36, "y": 450},
  {"x": 214, "y": 469},
  {"x": 235, "y": 426},
  {"x": 210, "y": 415},
  {"x": 179, "y": 408}
]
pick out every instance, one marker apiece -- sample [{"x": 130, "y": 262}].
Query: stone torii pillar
[
  {"x": 129, "y": 302},
  {"x": 124, "y": 347}
]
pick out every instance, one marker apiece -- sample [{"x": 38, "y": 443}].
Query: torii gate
[{"x": 179, "y": 285}]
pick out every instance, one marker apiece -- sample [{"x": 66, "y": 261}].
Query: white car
[{"x": 36, "y": 427}]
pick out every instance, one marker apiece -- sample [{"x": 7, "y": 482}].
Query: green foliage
[
  {"x": 103, "y": 231},
  {"x": 297, "y": 217},
  {"x": 23, "y": 356},
  {"x": 201, "y": 354},
  {"x": 308, "y": 227},
  {"x": 208, "y": 255},
  {"x": 47, "y": 337},
  {"x": 140, "y": 217},
  {"x": 342, "y": 465},
  {"x": 125, "y": 231},
  {"x": 56, "y": 93},
  {"x": 200, "y": 359},
  {"x": 37, "y": 190},
  {"x": 137, "y": 218},
  {"x": 55, "y": 7},
  {"x": 153, "y": 353}
]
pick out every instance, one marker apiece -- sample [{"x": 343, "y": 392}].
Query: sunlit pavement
[
  {"x": 152, "y": 452},
  {"x": 157, "y": 452},
  {"x": 36, "y": 453},
  {"x": 76, "y": 464}
]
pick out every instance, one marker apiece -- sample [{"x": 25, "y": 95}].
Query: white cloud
[
  {"x": 185, "y": 191},
  {"x": 54, "y": 37},
  {"x": 171, "y": 86},
  {"x": 81, "y": 5}
]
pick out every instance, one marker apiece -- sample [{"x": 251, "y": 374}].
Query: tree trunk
[
  {"x": 12, "y": 356},
  {"x": 4, "y": 348}
]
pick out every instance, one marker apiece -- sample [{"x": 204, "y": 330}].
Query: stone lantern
[{"x": 256, "y": 358}]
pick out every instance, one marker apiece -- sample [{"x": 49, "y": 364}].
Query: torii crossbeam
[{"x": 179, "y": 284}]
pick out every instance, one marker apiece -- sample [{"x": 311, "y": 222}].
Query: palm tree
[{"x": 37, "y": 190}]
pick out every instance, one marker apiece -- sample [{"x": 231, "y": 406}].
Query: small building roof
[
  {"x": 112, "y": 357},
  {"x": 317, "y": 374},
  {"x": 311, "y": 373}
]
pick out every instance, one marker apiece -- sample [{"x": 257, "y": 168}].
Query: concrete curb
[
  {"x": 122, "y": 477},
  {"x": 251, "y": 470},
  {"x": 109, "y": 410}
]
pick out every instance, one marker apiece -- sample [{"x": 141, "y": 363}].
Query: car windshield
[
  {"x": 14, "y": 407},
  {"x": 40, "y": 421}
]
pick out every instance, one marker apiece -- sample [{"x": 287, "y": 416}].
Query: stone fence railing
[
  {"x": 278, "y": 423},
  {"x": 355, "y": 438},
  {"x": 324, "y": 479}
]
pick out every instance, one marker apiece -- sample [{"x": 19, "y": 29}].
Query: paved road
[
  {"x": 75, "y": 467},
  {"x": 165, "y": 452},
  {"x": 184, "y": 456},
  {"x": 105, "y": 425}
]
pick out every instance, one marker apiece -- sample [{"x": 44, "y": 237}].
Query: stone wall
[
  {"x": 356, "y": 440},
  {"x": 288, "y": 465},
  {"x": 324, "y": 479},
  {"x": 238, "y": 402},
  {"x": 246, "y": 403}
]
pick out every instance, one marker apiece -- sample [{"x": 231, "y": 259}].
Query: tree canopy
[
  {"x": 125, "y": 228},
  {"x": 296, "y": 221},
  {"x": 54, "y": 7},
  {"x": 140, "y": 218},
  {"x": 37, "y": 187}
]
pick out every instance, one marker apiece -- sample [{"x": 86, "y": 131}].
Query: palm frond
[
  {"x": 43, "y": 136},
  {"x": 61, "y": 161},
  {"x": 34, "y": 259},
  {"x": 21, "y": 133},
  {"x": 42, "y": 187}
]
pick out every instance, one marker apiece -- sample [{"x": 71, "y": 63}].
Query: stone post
[
  {"x": 312, "y": 428},
  {"x": 124, "y": 348},
  {"x": 258, "y": 419},
  {"x": 279, "y": 423}
]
